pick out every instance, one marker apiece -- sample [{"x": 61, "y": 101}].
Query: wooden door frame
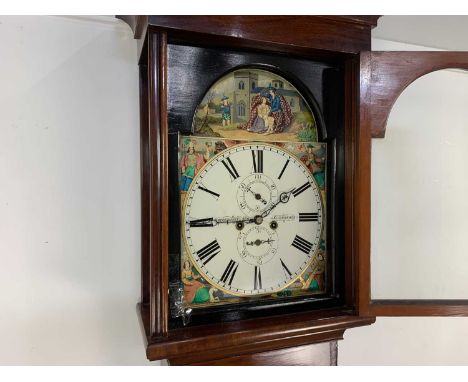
[{"x": 384, "y": 76}]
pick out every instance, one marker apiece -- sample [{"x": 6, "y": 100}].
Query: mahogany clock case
[
  {"x": 191, "y": 70},
  {"x": 322, "y": 57}
]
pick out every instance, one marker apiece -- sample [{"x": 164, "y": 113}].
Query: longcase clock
[{"x": 255, "y": 182}]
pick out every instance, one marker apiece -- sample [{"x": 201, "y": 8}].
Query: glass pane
[{"x": 420, "y": 193}]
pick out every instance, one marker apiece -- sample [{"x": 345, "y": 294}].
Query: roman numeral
[
  {"x": 257, "y": 278},
  {"x": 284, "y": 168},
  {"x": 208, "y": 252},
  {"x": 206, "y": 222},
  {"x": 258, "y": 162},
  {"x": 302, "y": 244},
  {"x": 301, "y": 189},
  {"x": 230, "y": 167},
  {"x": 285, "y": 268},
  {"x": 229, "y": 272},
  {"x": 209, "y": 191},
  {"x": 308, "y": 216}
]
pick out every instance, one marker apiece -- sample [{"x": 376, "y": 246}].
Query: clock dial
[{"x": 252, "y": 219}]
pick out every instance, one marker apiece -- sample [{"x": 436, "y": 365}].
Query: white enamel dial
[{"x": 252, "y": 219}]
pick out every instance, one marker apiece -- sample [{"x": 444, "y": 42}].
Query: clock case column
[{"x": 337, "y": 38}]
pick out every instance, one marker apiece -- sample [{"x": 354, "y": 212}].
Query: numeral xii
[{"x": 257, "y": 158}]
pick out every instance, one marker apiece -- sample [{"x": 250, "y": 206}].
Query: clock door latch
[{"x": 178, "y": 308}]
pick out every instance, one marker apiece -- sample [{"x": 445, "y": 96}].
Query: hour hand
[
  {"x": 258, "y": 242},
  {"x": 257, "y": 195}
]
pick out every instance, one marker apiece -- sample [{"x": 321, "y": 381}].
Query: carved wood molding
[
  {"x": 237, "y": 338},
  {"x": 346, "y": 34}
]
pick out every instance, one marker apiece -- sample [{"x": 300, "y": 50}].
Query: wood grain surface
[
  {"x": 310, "y": 355},
  {"x": 392, "y": 72}
]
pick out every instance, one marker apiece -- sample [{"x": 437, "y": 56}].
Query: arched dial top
[{"x": 252, "y": 219}]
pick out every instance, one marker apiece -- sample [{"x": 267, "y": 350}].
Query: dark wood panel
[
  {"x": 310, "y": 355},
  {"x": 392, "y": 72},
  {"x": 351, "y": 124},
  {"x": 361, "y": 138},
  {"x": 158, "y": 184}
]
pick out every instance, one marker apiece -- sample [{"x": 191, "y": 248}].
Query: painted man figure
[
  {"x": 225, "y": 111},
  {"x": 275, "y": 100}
]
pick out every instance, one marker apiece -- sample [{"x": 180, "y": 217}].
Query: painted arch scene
[{"x": 255, "y": 104}]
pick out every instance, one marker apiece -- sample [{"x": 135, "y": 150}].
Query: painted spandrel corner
[{"x": 255, "y": 104}]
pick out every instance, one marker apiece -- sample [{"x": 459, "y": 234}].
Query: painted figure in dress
[
  {"x": 270, "y": 113},
  {"x": 193, "y": 161},
  {"x": 263, "y": 122},
  {"x": 195, "y": 291},
  {"x": 190, "y": 164}
]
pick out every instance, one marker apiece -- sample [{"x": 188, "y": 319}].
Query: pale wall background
[
  {"x": 69, "y": 192},
  {"x": 69, "y": 198}
]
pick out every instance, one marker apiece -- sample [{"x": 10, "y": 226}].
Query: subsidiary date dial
[
  {"x": 252, "y": 219},
  {"x": 257, "y": 245}
]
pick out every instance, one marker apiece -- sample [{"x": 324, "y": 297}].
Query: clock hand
[
  {"x": 258, "y": 242},
  {"x": 257, "y": 195},
  {"x": 211, "y": 222},
  {"x": 283, "y": 198},
  {"x": 234, "y": 219}
]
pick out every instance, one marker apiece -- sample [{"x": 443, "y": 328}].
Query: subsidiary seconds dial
[{"x": 252, "y": 219}]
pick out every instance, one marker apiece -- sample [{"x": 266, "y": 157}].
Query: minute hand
[
  {"x": 283, "y": 198},
  {"x": 211, "y": 222}
]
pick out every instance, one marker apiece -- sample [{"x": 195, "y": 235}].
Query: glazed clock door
[
  {"x": 426, "y": 287},
  {"x": 259, "y": 222}
]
